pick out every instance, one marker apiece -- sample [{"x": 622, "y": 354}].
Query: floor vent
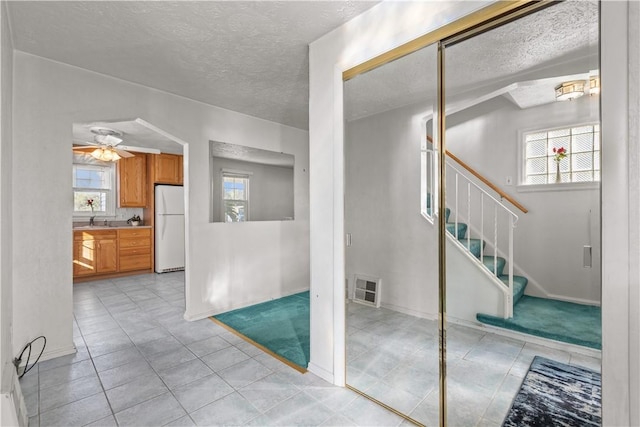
[{"x": 367, "y": 290}]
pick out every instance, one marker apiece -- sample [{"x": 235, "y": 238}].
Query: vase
[{"x": 558, "y": 177}]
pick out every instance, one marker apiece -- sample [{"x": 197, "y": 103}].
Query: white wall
[
  {"x": 229, "y": 266},
  {"x": 390, "y": 237},
  {"x": 392, "y": 23},
  {"x": 549, "y": 239},
  {"x": 620, "y": 213},
  {"x": 10, "y": 396},
  {"x": 270, "y": 189}
]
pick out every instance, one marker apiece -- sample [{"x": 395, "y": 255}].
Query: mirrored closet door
[
  {"x": 392, "y": 253},
  {"x": 488, "y": 136},
  {"x": 522, "y": 192}
]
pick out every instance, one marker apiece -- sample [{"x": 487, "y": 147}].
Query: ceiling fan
[{"x": 105, "y": 145}]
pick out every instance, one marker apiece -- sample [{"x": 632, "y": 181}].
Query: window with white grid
[
  {"x": 581, "y": 164},
  {"x": 95, "y": 183}
]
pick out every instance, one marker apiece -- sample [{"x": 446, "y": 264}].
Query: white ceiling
[
  {"x": 523, "y": 60},
  {"x": 252, "y": 56},
  {"x": 246, "y": 56}
]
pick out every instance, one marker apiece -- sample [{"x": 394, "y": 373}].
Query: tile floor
[
  {"x": 393, "y": 357},
  {"x": 139, "y": 363}
]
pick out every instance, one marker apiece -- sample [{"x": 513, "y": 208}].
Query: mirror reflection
[
  {"x": 391, "y": 262},
  {"x": 250, "y": 184},
  {"x": 523, "y": 275},
  {"x": 523, "y": 148}
]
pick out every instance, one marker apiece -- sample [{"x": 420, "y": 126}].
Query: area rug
[
  {"x": 557, "y": 320},
  {"x": 280, "y": 326},
  {"x": 557, "y": 394}
]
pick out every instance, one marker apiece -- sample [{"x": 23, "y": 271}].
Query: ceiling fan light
[
  {"x": 570, "y": 90},
  {"x": 105, "y": 154},
  {"x": 97, "y": 153}
]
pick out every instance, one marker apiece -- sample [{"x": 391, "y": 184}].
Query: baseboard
[
  {"x": 199, "y": 316},
  {"x": 410, "y": 312},
  {"x": 13, "y": 408},
  {"x": 574, "y": 300},
  {"x": 558, "y": 345},
  {"x": 51, "y": 354},
  {"x": 322, "y": 373}
]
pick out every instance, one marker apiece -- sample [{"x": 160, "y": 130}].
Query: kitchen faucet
[{"x": 91, "y": 218}]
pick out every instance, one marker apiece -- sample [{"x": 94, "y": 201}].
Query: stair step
[
  {"x": 462, "y": 229},
  {"x": 519, "y": 285},
  {"x": 488, "y": 261},
  {"x": 473, "y": 245}
]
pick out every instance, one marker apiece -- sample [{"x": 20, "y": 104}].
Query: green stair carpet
[
  {"x": 557, "y": 320},
  {"x": 280, "y": 325}
]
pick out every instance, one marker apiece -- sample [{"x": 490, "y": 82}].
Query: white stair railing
[
  {"x": 486, "y": 217},
  {"x": 495, "y": 225}
]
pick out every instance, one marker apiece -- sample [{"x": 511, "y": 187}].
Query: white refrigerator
[{"x": 169, "y": 228}]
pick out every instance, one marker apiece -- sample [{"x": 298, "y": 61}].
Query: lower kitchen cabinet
[
  {"x": 135, "y": 249},
  {"x": 110, "y": 252},
  {"x": 95, "y": 252}
]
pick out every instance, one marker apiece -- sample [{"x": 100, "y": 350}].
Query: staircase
[
  {"x": 476, "y": 246},
  {"x": 495, "y": 264}
]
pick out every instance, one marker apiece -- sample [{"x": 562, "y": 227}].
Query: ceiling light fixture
[
  {"x": 106, "y": 154},
  {"x": 570, "y": 90},
  {"x": 594, "y": 85}
]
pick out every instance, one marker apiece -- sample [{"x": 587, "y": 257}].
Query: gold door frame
[{"x": 473, "y": 24}]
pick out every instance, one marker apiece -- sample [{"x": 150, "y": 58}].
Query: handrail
[
  {"x": 484, "y": 180},
  {"x": 460, "y": 213}
]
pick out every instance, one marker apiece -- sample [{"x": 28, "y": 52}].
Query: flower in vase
[
  {"x": 559, "y": 154},
  {"x": 90, "y": 204}
]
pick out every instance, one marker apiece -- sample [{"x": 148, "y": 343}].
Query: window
[
  {"x": 93, "y": 182},
  {"x": 582, "y": 163},
  {"x": 235, "y": 197}
]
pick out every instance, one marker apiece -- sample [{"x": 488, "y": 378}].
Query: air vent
[{"x": 367, "y": 290}]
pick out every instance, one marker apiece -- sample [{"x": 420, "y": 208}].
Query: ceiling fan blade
[
  {"x": 83, "y": 149},
  {"x": 82, "y": 143},
  {"x": 123, "y": 153},
  {"x": 139, "y": 149}
]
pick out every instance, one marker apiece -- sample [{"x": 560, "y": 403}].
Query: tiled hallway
[
  {"x": 394, "y": 357},
  {"x": 139, "y": 363}
]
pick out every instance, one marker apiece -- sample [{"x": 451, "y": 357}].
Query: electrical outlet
[{"x": 509, "y": 181}]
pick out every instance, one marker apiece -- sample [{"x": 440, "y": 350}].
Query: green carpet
[
  {"x": 280, "y": 325},
  {"x": 557, "y": 320}
]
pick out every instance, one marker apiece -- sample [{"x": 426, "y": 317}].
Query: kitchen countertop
[{"x": 107, "y": 227}]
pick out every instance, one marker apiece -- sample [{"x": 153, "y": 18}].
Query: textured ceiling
[
  {"x": 135, "y": 133},
  {"x": 539, "y": 50},
  {"x": 246, "y": 56}
]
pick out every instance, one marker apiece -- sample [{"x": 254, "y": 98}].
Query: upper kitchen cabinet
[
  {"x": 167, "y": 168},
  {"x": 132, "y": 181}
]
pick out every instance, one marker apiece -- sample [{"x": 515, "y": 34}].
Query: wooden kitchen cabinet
[
  {"x": 132, "y": 181},
  {"x": 168, "y": 168},
  {"x": 95, "y": 252},
  {"x": 135, "y": 249},
  {"x": 107, "y": 258}
]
